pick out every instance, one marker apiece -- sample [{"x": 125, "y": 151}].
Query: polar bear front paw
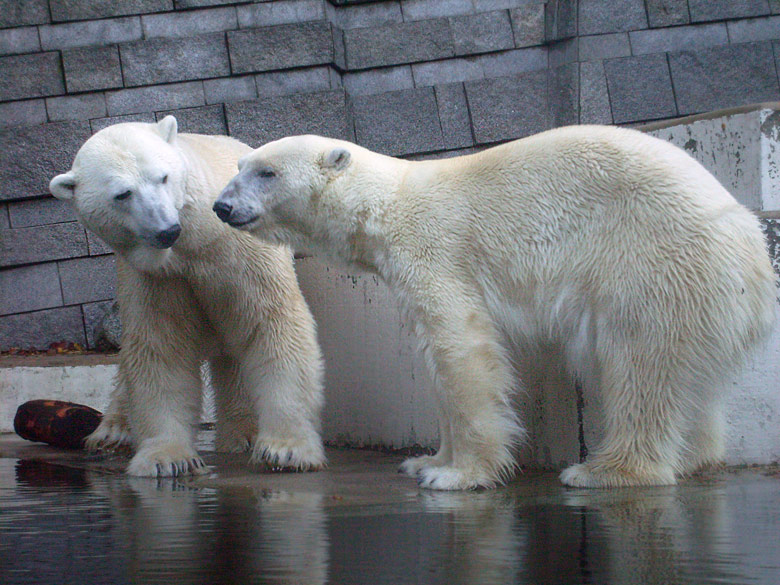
[
  {"x": 585, "y": 475},
  {"x": 286, "y": 455},
  {"x": 452, "y": 478},
  {"x": 159, "y": 459},
  {"x": 112, "y": 432}
]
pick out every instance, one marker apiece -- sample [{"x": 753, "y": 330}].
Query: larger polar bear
[
  {"x": 616, "y": 246},
  {"x": 190, "y": 289}
]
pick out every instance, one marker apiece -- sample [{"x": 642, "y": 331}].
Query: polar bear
[
  {"x": 615, "y": 246},
  {"x": 191, "y": 289}
]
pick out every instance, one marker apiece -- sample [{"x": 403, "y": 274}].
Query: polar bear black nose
[
  {"x": 223, "y": 210},
  {"x": 168, "y": 236}
]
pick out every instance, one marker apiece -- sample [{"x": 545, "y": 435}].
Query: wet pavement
[{"x": 67, "y": 517}]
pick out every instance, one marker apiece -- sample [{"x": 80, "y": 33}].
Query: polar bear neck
[{"x": 354, "y": 207}]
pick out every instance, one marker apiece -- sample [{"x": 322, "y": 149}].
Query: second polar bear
[
  {"x": 615, "y": 246},
  {"x": 191, "y": 289}
]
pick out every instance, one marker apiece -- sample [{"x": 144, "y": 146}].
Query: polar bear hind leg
[
  {"x": 114, "y": 429},
  {"x": 645, "y": 406}
]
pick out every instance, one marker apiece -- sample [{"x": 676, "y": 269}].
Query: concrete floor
[{"x": 72, "y": 517}]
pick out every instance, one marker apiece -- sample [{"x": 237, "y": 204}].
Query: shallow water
[{"x": 64, "y": 525}]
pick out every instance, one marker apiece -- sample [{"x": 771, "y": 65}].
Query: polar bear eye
[
  {"x": 266, "y": 173},
  {"x": 164, "y": 179},
  {"x": 123, "y": 196}
]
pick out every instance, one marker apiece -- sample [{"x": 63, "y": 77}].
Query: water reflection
[{"x": 60, "y": 525}]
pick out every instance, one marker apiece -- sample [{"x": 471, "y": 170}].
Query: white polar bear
[
  {"x": 189, "y": 289},
  {"x": 616, "y": 246}
]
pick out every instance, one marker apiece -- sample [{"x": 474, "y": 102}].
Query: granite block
[
  {"x": 76, "y": 107},
  {"x": 19, "y": 40},
  {"x": 43, "y": 243},
  {"x": 295, "y": 81},
  {"x": 562, "y": 53},
  {"x": 428, "y": 9},
  {"x": 165, "y": 60},
  {"x": 162, "y": 97},
  {"x": 202, "y": 3},
  {"x": 92, "y": 68},
  {"x": 724, "y": 77},
  {"x": 22, "y": 113},
  {"x": 481, "y": 33},
  {"x": 259, "y": 121},
  {"x": 599, "y": 47},
  {"x": 506, "y": 108},
  {"x": 528, "y": 24},
  {"x": 201, "y": 120},
  {"x": 667, "y": 12},
  {"x": 374, "y": 81},
  {"x": 563, "y": 87},
  {"x": 398, "y": 122},
  {"x": 90, "y": 32},
  {"x": 29, "y": 288},
  {"x": 594, "y": 97},
  {"x": 32, "y": 155},
  {"x": 280, "y": 12},
  {"x": 640, "y": 88},
  {"x": 87, "y": 280},
  {"x": 281, "y": 47},
  {"x": 454, "y": 115},
  {"x": 63, "y": 10},
  {"x": 375, "y": 14},
  {"x": 514, "y": 62},
  {"x": 28, "y": 12},
  {"x": 230, "y": 89},
  {"x": 191, "y": 23},
  {"x": 447, "y": 71},
  {"x": 610, "y": 16},
  {"x": 704, "y": 10},
  {"x": 754, "y": 29},
  {"x": 100, "y": 123},
  {"x": 39, "y": 329},
  {"x": 30, "y": 76},
  {"x": 44, "y": 211},
  {"x": 94, "y": 313},
  {"x": 679, "y": 38},
  {"x": 396, "y": 44},
  {"x": 560, "y": 19},
  {"x": 97, "y": 247}
]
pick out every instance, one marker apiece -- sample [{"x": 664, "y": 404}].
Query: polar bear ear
[
  {"x": 63, "y": 186},
  {"x": 337, "y": 159},
  {"x": 167, "y": 127}
]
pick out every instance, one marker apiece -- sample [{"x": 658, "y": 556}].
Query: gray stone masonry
[{"x": 412, "y": 78}]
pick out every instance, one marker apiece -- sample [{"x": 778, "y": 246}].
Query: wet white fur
[
  {"x": 217, "y": 295},
  {"x": 613, "y": 245}
]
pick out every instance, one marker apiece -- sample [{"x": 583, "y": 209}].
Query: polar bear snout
[
  {"x": 166, "y": 238},
  {"x": 223, "y": 210},
  {"x": 231, "y": 207}
]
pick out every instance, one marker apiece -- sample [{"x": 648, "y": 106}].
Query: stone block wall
[{"x": 412, "y": 78}]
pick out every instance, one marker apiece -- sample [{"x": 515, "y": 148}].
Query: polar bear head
[
  {"x": 281, "y": 191},
  {"x": 127, "y": 185}
]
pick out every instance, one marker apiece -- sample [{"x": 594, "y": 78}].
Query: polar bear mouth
[{"x": 241, "y": 223}]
